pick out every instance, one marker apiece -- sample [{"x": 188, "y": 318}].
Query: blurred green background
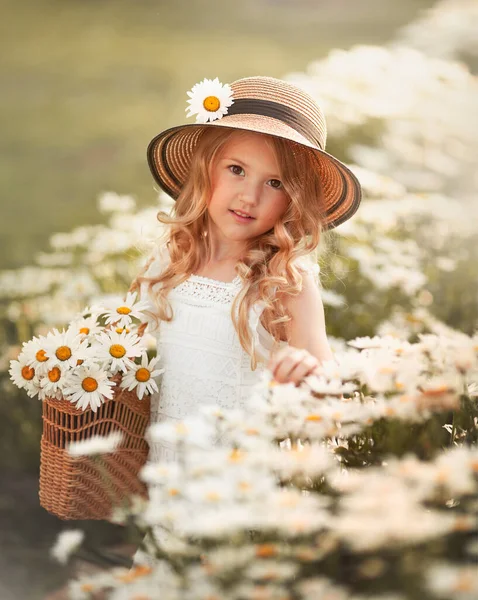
[{"x": 87, "y": 83}]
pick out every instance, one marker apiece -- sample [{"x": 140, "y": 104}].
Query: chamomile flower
[
  {"x": 35, "y": 355},
  {"x": 66, "y": 543},
  {"x": 209, "y": 100},
  {"x": 376, "y": 342},
  {"x": 53, "y": 383},
  {"x": 64, "y": 348},
  {"x": 115, "y": 350},
  {"x": 121, "y": 312},
  {"x": 141, "y": 377},
  {"x": 85, "y": 326},
  {"x": 24, "y": 376},
  {"x": 88, "y": 386},
  {"x": 97, "y": 444}
]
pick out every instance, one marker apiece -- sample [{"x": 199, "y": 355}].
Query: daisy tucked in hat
[{"x": 264, "y": 105}]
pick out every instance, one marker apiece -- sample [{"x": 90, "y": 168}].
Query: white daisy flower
[
  {"x": 115, "y": 350},
  {"x": 90, "y": 311},
  {"x": 97, "y": 444},
  {"x": 141, "y": 377},
  {"x": 376, "y": 342},
  {"x": 121, "y": 312},
  {"x": 64, "y": 348},
  {"x": 473, "y": 390},
  {"x": 66, "y": 543},
  {"x": 24, "y": 376},
  {"x": 85, "y": 326},
  {"x": 53, "y": 383},
  {"x": 88, "y": 386},
  {"x": 34, "y": 352},
  {"x": 209, "y": 100}
]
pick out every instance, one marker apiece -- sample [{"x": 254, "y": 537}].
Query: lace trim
[
  {"x": 235, "y": 281},
  {"x": 202, "y": 288}
]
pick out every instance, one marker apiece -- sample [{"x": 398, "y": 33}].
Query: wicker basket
[{"x": 85, "y": 487}]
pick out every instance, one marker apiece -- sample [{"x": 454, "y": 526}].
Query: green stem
[{"x": 453, "y": 429}]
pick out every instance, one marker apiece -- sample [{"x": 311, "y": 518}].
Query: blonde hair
[{"x": 267, "y": 268}]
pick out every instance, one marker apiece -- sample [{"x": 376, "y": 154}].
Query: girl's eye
[
  {"x": 275, "y": 183},
  {"x": 236, "y": 169}
]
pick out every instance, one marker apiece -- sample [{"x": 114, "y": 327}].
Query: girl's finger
[
  {"x": 288, "y": 364},
  {"x": 303, "y": 369},
  {"x": 278, "y": 357}
]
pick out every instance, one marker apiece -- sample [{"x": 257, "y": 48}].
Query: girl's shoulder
[{"x": 308, "y": 264}]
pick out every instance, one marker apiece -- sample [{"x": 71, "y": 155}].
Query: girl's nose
[{"x": 251, "y": 193}]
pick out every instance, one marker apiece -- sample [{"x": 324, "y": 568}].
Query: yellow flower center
[
  {"x": 266, "y": 550},
  {"x": 85, "y": 330},
  {"x": 87, "y": 587},
  {"x": 117, "y": 350},
  {"x": 142, "y": 374},
  {"x": 465, "y": 583},
  {"x": 54, "y": 375},
  {"x": 252, "y": 431},
  {"x": 211, "y": 103},
  {"x": 123, "y": 310},
  {"x": 236, "y": 455},
  {"x": 89, "y": 384},
  {"x": 28, "y": 373},
  {"x": 135, "y": 573},
  {"x": 313, "y": 418},
  {"x": 63, "y": 353},
  {"x": 213, "y": 496},
  {"x": 41, "y": 356},
  {"x": 121, "y": 329}
]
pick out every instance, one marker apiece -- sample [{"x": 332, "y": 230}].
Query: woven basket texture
[{"x": 90, "y": 487}]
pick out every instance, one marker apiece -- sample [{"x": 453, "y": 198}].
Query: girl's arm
[{"x": 308, "y": 345}]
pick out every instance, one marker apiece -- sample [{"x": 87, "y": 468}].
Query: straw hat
[{"x": 265, "y": 105}]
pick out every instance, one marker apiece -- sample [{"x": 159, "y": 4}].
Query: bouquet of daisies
[{"x": 102, "y": 349}]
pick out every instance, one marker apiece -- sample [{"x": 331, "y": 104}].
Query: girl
[{"x": 234, "y": 280}]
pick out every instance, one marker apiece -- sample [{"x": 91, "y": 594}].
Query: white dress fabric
[{"x": 203, "y": 360}]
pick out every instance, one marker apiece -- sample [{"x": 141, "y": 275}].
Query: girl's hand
[{"x": 292, "y": 364}]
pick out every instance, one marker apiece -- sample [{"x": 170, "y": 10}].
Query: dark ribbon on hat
[{"x": 286, "y": 114}]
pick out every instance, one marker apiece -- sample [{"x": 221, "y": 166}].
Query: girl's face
[{"x": 245, "y": 178}]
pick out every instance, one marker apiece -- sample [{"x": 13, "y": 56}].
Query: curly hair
[{"x": 268, "y": 267}]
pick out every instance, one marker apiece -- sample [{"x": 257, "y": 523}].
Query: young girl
[{"x": 234, "y": 281}]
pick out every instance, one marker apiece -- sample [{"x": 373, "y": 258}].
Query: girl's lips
[{"x": 240, "y": 219}]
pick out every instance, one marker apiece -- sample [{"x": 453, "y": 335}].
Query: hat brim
[{"x": 169, "y": 157}]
